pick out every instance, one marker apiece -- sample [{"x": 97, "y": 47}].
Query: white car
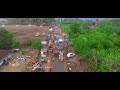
[{"x": 69, "y": 55}]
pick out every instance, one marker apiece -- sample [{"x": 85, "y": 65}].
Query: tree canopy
[
  {"x": 16, "y": 43},
  {"x": 6, "y": 39},
  {"x": 36, "y": 45},
  {"x": 99, "y": 46},
  {"x": 25, "y": 51}
]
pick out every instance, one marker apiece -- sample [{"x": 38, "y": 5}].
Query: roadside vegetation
[
  {"x": 99, "y": 46},
  {"x": 6, "y": 39},
  {"x": 25, "y": 51}
]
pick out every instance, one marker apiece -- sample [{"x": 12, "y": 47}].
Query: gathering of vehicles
[
  {"x": 52, "y": 50},
  {"x": 53, "y": 47}
]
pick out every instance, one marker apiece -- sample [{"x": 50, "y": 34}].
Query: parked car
[{"x": 69, "y": 55}]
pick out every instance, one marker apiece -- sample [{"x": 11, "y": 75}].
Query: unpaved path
[{"x": 19, "y": 66}]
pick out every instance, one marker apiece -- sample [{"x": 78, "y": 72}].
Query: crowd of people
[{"x": 53, "y": 43}]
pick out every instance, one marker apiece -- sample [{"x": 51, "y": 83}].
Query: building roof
[
  {"x": 61, "y": 40},
  {"x": 44, "y": 42},
  {"x": 43, "y": 50}
]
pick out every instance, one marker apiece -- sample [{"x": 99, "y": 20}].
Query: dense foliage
[
  {"x": 99, "y": 46},
  {"x": 36, "y": 45},
  {"x": 16, "y": 43},
  {"x": 6, "y": 39},
  {"x": 25, "y": 51}
]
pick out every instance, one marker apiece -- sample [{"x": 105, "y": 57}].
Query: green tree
[
  {"x": 37, "y": 45},
  {"x": 74, "y": 27},
  {"x": 16, "y": 44},
  {"x": 25, "y": 51},
  {"x": 6, "y": 39},
  {"x": 10, "y": 37},
  {"x": 100, "y": 46}
]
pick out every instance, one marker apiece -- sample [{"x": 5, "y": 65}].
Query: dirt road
[
  {"x": 58, "y": 66},
  {"x": 74, "y": 64},
  {"x": 19, "y": 66}
]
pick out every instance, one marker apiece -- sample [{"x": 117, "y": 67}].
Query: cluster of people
[
  {"x": 53, "y": 45},
  {"x": 61, "y": 55}
]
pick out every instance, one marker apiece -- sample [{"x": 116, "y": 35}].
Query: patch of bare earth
[
  {"x": 21, "y": 65},
  {"x": 25, "y": 32}
]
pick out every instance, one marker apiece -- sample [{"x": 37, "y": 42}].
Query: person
[
  {"x": 61, "y": 58},
  {"x": 64, "y": 59},
  {"x": 59, "y": 54},
  {"x": 47, "y": 52},
  {"x": 52, "y": 52},
  {"x": 53, "y": 41},
  {"x": 62, "y": 45},
  {"x": 51, "y": 59},
  {"x": 50, "y": 69},
  {"x": 25, "y": 59}
]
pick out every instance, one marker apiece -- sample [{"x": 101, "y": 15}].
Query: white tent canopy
[
  {"x": 44, "y": 42},
  {"x": 50, "y": 29},
  {"x": 60, "y": 40}
]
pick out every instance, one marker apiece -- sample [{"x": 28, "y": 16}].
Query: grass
[{"x": 25, "y": 51}]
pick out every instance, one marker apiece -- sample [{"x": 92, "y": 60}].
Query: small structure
[
  {"x": 44, "y": 53},
  {"x": 50, "y": 29},
  {"x": 44, "y": 42},
  {"x": 35, "y": 65},
  {"x": 37, "y": 34},
  {"x": 16, "y": 50}
]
